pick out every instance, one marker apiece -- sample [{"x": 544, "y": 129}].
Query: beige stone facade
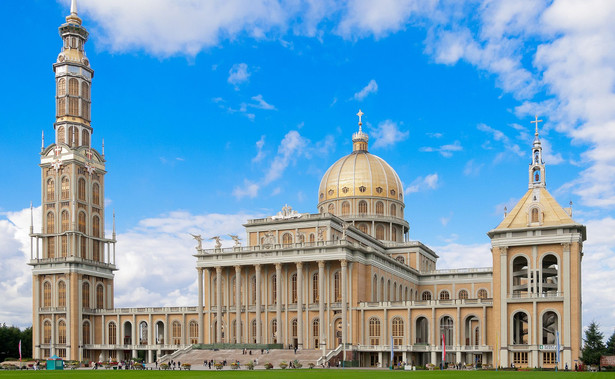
[{"x": 347, "y": 279}]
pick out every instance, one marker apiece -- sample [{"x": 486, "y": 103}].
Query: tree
[
  {"x": 610, "y": 345},
  {"x": 9, "y": 342},
  {"x": 593, "y": 346}
]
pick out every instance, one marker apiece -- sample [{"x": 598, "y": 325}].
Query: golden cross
[
  {"x": 536, "y": 122},
  {"x": 360, "y": 114}
]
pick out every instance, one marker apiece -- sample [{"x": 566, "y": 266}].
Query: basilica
[{"x": 346, "y": 281}]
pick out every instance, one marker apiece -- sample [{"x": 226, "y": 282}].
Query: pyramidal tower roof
[{"x": 537, "y": 208}]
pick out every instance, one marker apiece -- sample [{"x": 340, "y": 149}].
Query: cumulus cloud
[
  {"x": 387, "y": 134},
  {"x": 507, "y": 145},
  {"x": 260, "y": 154},
  {"x": 456, "y": 255},
  {"x": 260, "y": 103},
  {"x": 445, "y": 150},
  {"x": 428, "y": 182},
  {"x": 238, "y": 74},
  {"x": 371, "y": 87}
]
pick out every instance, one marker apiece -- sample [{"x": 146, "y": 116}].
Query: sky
[{"x": 215, "y": 112}]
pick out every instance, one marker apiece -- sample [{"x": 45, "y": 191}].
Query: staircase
[{"x": 275, "y": 357}]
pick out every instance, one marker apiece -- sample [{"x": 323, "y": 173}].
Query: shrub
[
  {"x": 186, "y": 366},
  {"x": 218, "y": 365},
  {"x": 283, "y": 365},
  {"x": 297, "y": 364},
  {"x": 235, "y": 366},
  {"x": 430, "y": 366},
  {"x": 268, "y": 366},
  {"x": 164, "y": 366},
  {"x": 250, "y": 365}
]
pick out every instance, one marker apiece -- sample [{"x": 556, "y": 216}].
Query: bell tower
[
  {"x": 72, "y": 260},
  {"x": 537, "y": 252}
]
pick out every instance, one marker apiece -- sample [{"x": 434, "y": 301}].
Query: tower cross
[
  {"x": 360, "y": 114},
  {"x": 536, "y": 121}
]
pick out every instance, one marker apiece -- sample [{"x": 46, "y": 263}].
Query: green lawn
[{"x": 304, "y": 373}]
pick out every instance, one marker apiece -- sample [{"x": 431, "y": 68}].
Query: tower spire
[
  {"x": 360, "y": 139},
  {"x": 73, "y": 17},
  {"x": 73, "y": 7},
  {"x": 537, "y": 166}
]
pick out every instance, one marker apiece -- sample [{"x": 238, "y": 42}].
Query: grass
[{"x": 303, "y": 373}]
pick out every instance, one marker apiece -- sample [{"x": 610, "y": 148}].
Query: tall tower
[
  {"x": 72, "y": 261},
  {"x": 537, "y": 251}
]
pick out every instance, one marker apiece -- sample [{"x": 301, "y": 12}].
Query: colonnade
[{"x": 254, "y": 307}]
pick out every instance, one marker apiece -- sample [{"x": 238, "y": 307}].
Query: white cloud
[
  {"x": 428, "y": 182},
  {"x": 387, "y": 134},
  {"x": 248, "y": 189},
  {"x": 472, "y": 168},
  {"x": 260, "y": 154},
  {"x": 371, "y": 87},
  {"x": 238, "y": 74},
  {"x": 261, "y": 103},
  {"x": 507, "y": 146},
  {"x": 444, "y": 150},
  {"x": 292, "y": 146},
  {"x": 456, "y": 255}
]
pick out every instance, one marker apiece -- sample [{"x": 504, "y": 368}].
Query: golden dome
[{"x": 360, "y": 174}]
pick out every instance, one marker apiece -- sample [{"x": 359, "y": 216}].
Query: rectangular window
[
  {"x": 520, "y": 358},
  {"x": 549, "y": 357}
]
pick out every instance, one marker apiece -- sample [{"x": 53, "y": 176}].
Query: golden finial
[{"x": 536, "y": 121}]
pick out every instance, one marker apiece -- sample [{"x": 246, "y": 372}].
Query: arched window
[
  {"x": 362, "y": 207},
  {"x": 549, "y": 328},
  {"x": 363, "y": 228},
  {"x": 96, "y": 226},
  {"x": 535, "y": 215},
  {"x": 426, "y": 295},
  {"x": 62, "y": 332},
  {"x": 294, "y": 328},
  {"x": 61, "y": 87},
  {"x": 100, "y": 297},
  {"x": 521, "y": 281},
  {"x": 400, "y": 259},
  {"x": 293, "y": 286},
  {"x": 82, "y": 229},
  {"x": 51, "y": 241},
  {"x": 388, "y": 290},
  {"x": 194, "y": 332},
  {"x": 422, "y": 331},
  {"x": 482, "y": 293},
  {"x": 81, "y": 189},
  {"x": 112, "y": 333},
  {"x": 337, "y": 288},
  {"x": 85, "y": 135},
  {"x": 51, "y": 193},
  {"x": 73, "y": 106},
  {"x": 61, "y": 135},
  {"x": 315, "y": 291},
  {"x": 85, "y": 295},
  {"x": 444, "y": 295},
  {"x": 520, "y": 329},
  {"x": 394, "y": 234},
  {"x": 47, "y": 332},
  {"x": 65, "y": 188},
  {"x": 274, "y": 288},
  {"x": 65, "y": 225},
  {"x": 274, "y": 330},
  {"x": 287, "y": 239},
  {"x": 86, "y": 332},
  {"x": 316, "y": 332},
  {"x": 397, "y": 331},
  {"x": 447, "y": 329},
  {"x": 331, "y": 208},
  {"x": 382, "y": 293},
  {"x": 46, "y": 294},
  {"x": 394, "y": 292},
  {"x": 61, "y": 111},
  {"x": 85, "y": 90},
  {"x": 345, "y": 208},
  {"x": 96, "y": 194},
  {"x": 73, "y": 87},
  {"x": 72, "y": 136},
  {"x": 380, "y": 232},
  {"x": 393, "y": 210},
  {"x": 312, "y": 238},
  {"x": 463, "y": 294},
  {"x": 374, "y": 331},
  {"x": 82, "y": 224},
  {"x": 61, "y": 293},
  {"x": 549, "y": 274},
  {"x": 375, "y": 288},
  {"x": 380, "y": 208},
  {"x": 177, "y": 332}
]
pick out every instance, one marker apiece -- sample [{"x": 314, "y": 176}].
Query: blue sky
[{"x": 215, "y": 112}]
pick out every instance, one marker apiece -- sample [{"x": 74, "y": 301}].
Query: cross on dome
[
  {"x": 536, "y": 121},
  {"x": 360, "y": 114}
]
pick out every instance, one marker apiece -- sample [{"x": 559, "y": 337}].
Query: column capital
[
  {"x": 299, "y": 265},
  {"x": 344, "y": 262},
  {"x": 503, "y": 250},
  {"x": 278, "y": 266},
  {"x": 257, "y": 267},
  {"x": 566, "y": 246},
  {"x": 199, "y": 270},
  {"x": 237, "y": 268},
  {"x": 321, "y": 264},
  {"x": 218, "y": 269}
]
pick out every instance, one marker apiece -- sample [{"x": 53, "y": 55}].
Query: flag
[
  {"x": 443, "y": 350},
  {"x": 392, "y": 353},
  {"x": 19, "y": 350},
  {"x": 557, "y": 338}
]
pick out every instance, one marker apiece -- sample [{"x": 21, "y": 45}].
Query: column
[
  {"x": 257, "y": 315},
  {"x": 344, "y": 282},
  {"x": 300, "y": 305},
  {"x": 238, "y": 304},
  {"x": 200, "y": 303},
  {"x": 321, "y": 305},
  {"x": 278, "y": 302},
  {"x": 218, "y": 304}
]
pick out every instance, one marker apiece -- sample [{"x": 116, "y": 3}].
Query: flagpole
[{"x": 19, "y": 353}]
